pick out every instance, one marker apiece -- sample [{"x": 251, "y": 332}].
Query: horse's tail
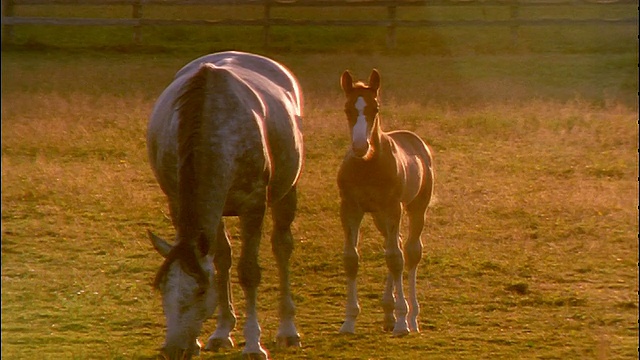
[{"x": 192, "y": 153}]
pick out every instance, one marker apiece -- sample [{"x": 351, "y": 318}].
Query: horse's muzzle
[{"x": 176, "y": 353}]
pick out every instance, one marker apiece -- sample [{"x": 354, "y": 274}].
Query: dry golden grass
[{"x": 530, "y": 248}]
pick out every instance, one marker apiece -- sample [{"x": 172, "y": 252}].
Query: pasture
[{"x": 531, "y": 245}]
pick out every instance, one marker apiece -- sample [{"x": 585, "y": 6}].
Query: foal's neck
[{"x": 377, "y": 140}]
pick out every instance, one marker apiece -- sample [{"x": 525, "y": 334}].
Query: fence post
[
  {"x": 391, "y": 28},
  {"x": 7, "y": 30},
  {"x": 267, "y": 22},
  {"x": 514, "y": 14},
  {"x": 137, "y": 29}
]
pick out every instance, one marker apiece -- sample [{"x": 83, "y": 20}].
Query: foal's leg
[
  {"x": 388, "y": 304},
  {"x": 249, "y": 275},
  {"x": 226, "y": 317},
  {"x": 413, "y": 255},
  {"x": 351, "y": 216},
  {"x": 283, "y": 213},
  {"x": 388, "y": 222}
]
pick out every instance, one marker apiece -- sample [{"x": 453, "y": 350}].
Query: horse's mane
[
  {"x": 184, "y": 252},
  {"x": 189, "y": 105}
]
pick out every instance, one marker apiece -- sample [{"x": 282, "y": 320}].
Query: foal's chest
[{"x": 370, "y": 188}]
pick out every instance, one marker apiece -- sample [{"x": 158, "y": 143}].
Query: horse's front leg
[
  {"x": 249, "y": 275},
  {"x": 351, "y": 216},
  {"x": 388, "y": 222},
  {"x": 221, "y": 337},
  {"x": 283, "y": 213}
]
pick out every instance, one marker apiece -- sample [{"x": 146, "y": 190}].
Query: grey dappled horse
[
  {"x": 224, "y": 139},
  {"x": 383, "y": 173}
]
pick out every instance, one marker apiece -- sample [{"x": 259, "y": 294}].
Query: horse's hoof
[
  {"x": 400, "y": 333},
  {"x": 389, "y": 322},
  {"x": 215, "y": 344},
  {"x": 348, "y": 328},
  {"x": 288, "y": 341}
]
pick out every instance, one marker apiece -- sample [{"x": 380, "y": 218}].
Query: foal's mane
[{"x": 360, "y": 85}]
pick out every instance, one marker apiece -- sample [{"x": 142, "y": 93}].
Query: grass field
[{"x": 531, "y": 246}]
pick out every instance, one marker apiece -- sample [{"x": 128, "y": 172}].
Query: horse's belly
[{"x": 287, "y": 156}]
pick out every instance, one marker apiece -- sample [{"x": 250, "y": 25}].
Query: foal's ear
[
  {"x": 346, "y": 81},
  {"x": 374, "y": 80},
  {"x": 160, "y": 244}
]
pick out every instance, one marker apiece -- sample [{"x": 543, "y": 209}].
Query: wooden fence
[{"x": 137, "y": 21}]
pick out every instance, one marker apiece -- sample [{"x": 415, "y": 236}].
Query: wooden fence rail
[{"x": 391, "y": 22}]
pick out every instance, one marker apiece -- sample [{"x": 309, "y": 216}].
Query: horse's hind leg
[
  {"x": 249, "y": 275},
  {"x": 388, "y": 222},
  {"x": 226, "y": 317},
  {"x": 283, "y": 213},
  {"x": 413, "y": 255}
]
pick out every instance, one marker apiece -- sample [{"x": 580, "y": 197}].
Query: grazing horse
[
  {"x": 382, "y": 174},
  {"x": 224, "y": 139}
]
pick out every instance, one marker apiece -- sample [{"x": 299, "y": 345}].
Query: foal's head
[
  {"x": 189, "y": 297},
  {"x": 361, "y": 109}
]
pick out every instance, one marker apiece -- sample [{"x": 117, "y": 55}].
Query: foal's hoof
[
  {"x": 196, "y": 349},
  {"x": 288, "y": 341},
  {"x": 389, "y": 322},
  {"x": 215, "y": 344}
]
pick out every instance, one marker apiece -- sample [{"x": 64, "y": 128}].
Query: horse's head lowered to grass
[{"x": 185, "y": 280}]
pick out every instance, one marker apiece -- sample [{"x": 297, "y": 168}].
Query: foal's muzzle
[{"x": 360, "y": 150}]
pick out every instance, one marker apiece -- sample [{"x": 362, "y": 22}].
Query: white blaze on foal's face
[{"x": 359, "y": 132}]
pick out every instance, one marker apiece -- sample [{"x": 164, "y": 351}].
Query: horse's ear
[
  {"x": 374, "y": 80},
  {"x": 203, "y": 244},
  {"x": 346, "y": 81},
  {"x": 160, "y": 244}
]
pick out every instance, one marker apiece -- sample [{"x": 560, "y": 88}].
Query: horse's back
[
  {"x": 247, "y": 65},
  {"x": 280, "y": 92},
  {"x": 279, "y": 106}
]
